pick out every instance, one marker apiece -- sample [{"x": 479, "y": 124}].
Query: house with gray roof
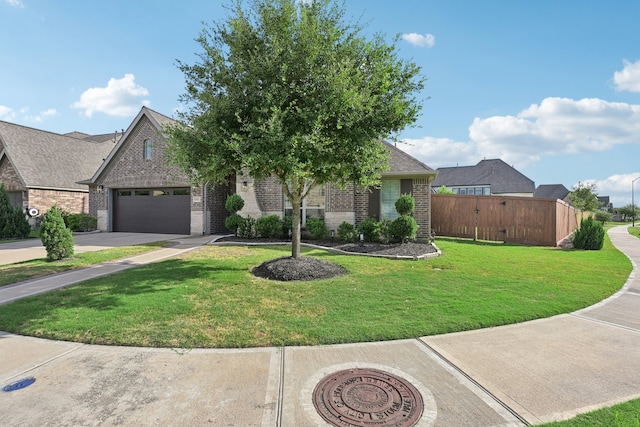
[
  {"x": 40, "y": 168},
  {"x": 137, "y": 190},
  {"x": 488, "y": 177},
  {"x": 552, "y": 191}
]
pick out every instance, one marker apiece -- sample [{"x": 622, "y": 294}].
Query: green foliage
[
  {"x": 590, "y": 235},
  {"x": 287, "y": 89},
  {"x": 13, "y": 223},
  {"x": 602, "y": 217},
  {"x": 55, "y": 236},
  {"x": 628, "y": 212},
  {"x": 405, "y": 204},
  {"x": 383, "y": 230},
  {"x": 234, "y": 203},
  {"x": 444, "y": 190},
  {"x": 403, "y": 228},
  {"x": 287, "y": 225},
  {"x": 269, "y": 226},
  {"x": 246, "y": 227},
  {"x": 317, "y": 228},
  {"x": 370, "y": 228},
  {"x": 81, "y": 222},
  {"x": 346, "y": 232},
  {"x": 583, "y": 196},
  {"x": 232, "y": 222}
]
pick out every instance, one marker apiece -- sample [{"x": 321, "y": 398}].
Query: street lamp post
[{"x": 633, "y": 205}]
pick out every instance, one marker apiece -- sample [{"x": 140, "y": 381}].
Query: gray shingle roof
[
  {"x": 402, "y": 164},
  {"x": 50, "y": 160},
  {"x": 494, "y": 172},
  {"x": 551, "y": 191}
]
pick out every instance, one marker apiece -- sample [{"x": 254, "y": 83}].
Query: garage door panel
[{"x": 141, "y": 211}]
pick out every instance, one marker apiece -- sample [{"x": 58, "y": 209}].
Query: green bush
[
  {"x": 246, "y": 227},
  {"x": 590, "y": 235},
  {"x": 234, "y": 203},
  {"x": 347, "y": 232},
  {"x": 405, "y": 204},
  {"x": 81, "y": 222},
  {"x": 232, "y": 222},
  {"x": 269, "y": 226},
  {"x": 317, "y": 228},
  {"x": 403, "y": 228},
  {"x": 602, "y": 217},
  {"x": 383, "y": 229},
  {"x": 55, "y": 236},
  {"x": 287, "y": 226},
  {"x": 370, "y": 228},
  {"x": 13, "y": 223}
]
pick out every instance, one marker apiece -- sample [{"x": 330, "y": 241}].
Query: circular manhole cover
[{"x": 367, "y": 397}]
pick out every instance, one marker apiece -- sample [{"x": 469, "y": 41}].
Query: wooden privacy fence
[{"x": 525, "y": 220}]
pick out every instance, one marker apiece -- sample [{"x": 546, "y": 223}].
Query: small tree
[
  {"x": 602, "y": 217},
  {"x": 584, "y": 197},
  {"x": 55, "y": 236},
  {"x": 233, "y": 204},
  {"x": 628, "y": 212},
  {"x": 404, "y": 227},
  {"x": 286, "y": 89}
]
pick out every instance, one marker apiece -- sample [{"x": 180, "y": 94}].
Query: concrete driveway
[{"x": 26, "y": 250}]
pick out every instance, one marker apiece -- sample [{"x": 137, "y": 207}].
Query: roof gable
[
  {"x": 551, "y": 191},
  {"x": 402, "y": 164},
  {"x": 494, "y": 172},
  {"x": 49, "y": 160}
]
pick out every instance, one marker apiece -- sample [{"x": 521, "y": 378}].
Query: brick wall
[
  {"x": 422, "y": 212},
  {"x": 9, "y": 176},
  {"x": 340, "y": 200},
  {"x": 269, "y": 195},
  {"x": 70, "y": 201},
  {"x": 216, "y": 199},
  {"x": 361, "y": 204}
]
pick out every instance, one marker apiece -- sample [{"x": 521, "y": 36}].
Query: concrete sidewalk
[{"x": 507, "y": 376}]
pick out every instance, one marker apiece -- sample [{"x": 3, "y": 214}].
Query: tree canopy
[
  {"x": 288, "y": 89},
  {"x": 583, "y": 196}
]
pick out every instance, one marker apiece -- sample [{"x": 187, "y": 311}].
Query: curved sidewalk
[{"x": 520, "y": 374}]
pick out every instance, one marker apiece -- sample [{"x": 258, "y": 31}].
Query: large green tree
[
  {"x": 289, "y": 89},
  {"x": 583, "y": 196}
]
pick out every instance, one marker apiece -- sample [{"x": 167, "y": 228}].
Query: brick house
[
  {"x": 136, "y": 190},
  {"x": 40, "y": 169}
]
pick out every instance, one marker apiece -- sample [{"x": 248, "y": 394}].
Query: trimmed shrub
[
  {"x": 13, "y": 223},
  {"x": 602, "y": 217},
  {"x": 405, "y": 204},
  {"x": 590, "y": 235},
  {"x": 403, "y": 228},
  {"x": 317, "y": 228},
  {"x": 269, "y": 226},
  {"x": 383, "y": 227},
  {"x": 347, "y": 232},
  {"x": 246, "y": 227},
  {"x": 55, "y": 236},
  {"x": 81, "y": 222},
  {"x": 234, "y": 203},
  {"x": 370, "y": 228},
  {"x": 232, "y": 222}
]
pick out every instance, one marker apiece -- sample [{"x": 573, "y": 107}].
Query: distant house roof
[
  {"x": 494, "y": 172},
  {"x": 49, "y": 160},
  {"x": 604, "y": 200},
  {"x": 551, "y": 191}
]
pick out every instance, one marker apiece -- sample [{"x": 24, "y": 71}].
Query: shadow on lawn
[{"x": 110, "y": 292}]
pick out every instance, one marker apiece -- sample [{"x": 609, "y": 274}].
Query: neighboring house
[
  {"x": 552, "y": 191},
  {"x": 489, "y": 177},
  {"x": 40, "y": 169},
  {"x": 136, "y": 190},
  {"x": 605, "y": 203}
]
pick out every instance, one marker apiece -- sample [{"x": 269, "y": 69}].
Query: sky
[{"x": 552, "y": 87}]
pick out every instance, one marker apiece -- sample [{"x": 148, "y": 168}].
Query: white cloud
[
  {"x": 121, "y": 97},
  {"x": 441, "y": 152},
  {"x": 556, "y": 126},
  {"x": 420, "y": 40},
  {"x": 51, "y": 112},
  {"x": 15, "y": 3},
  {"x": 629, "y": 78},
  {"x": 7, "y": 114}
]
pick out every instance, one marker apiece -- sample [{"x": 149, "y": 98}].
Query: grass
[
  {"x": 208, "y": 298},
  {"x": 634, "y": 231},
  {"x": 12, "y": 273},
  {"x": 626, "y": 414}
]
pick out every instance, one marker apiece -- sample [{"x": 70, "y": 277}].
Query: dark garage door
[{"x": 152, "y": 210}]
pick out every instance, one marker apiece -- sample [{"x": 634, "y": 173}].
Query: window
[
  {"x": 142, "y": 193},
  {"x": 147, "y": 149},
  {"x": 181, "y": 192},
  {"x": 478, "y": 191},
  {"x": 160, "y": 193},
  {"x": 389, "y": 194},
  {"x": 312, "y": 206},
  {"x": 124, "y": 192}
]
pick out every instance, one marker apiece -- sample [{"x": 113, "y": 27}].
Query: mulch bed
[{"x": 307, "y": 268}]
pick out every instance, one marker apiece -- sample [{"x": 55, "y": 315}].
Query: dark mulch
[{"x": 306, "y": 268}]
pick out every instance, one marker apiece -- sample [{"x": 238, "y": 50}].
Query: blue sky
[{"x": 551, "y": 87}]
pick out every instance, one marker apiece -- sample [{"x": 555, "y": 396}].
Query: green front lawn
[
  {"x": 208, "y": 298},
  {"x": 12, "y": 273}
]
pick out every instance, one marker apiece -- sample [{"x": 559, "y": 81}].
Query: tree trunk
[{"x": 295, "y": 228}]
